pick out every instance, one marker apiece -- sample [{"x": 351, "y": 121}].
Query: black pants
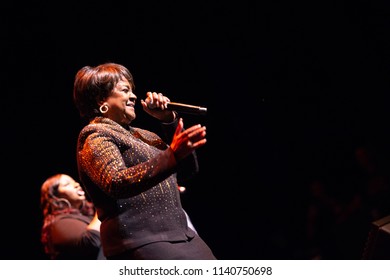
[{"x": 192, "y": 249}]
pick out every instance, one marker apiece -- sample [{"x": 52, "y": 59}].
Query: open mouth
[
  {"x": 130, "y": 104},
  {"x": 80, "y": 192}
]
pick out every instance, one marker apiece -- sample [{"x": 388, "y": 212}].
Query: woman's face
[
  {"x": 71, "y": 190},
  {"x": 121, "y": 103}
]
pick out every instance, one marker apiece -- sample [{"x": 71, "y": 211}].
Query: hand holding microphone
[{"x": 155, "y": 101}]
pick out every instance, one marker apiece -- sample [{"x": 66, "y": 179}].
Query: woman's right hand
[{"x": 186, "y": 141}]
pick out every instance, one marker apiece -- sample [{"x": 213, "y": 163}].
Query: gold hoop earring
[{"x": 103, "y": 109}]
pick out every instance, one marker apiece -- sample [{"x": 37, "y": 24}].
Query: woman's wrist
[{"x": 174, "y": 118}]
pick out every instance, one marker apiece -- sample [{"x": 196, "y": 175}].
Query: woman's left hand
[{"x": 186, "y": 141}]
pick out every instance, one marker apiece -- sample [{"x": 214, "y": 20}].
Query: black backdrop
[{"x": 292, "y": 90}]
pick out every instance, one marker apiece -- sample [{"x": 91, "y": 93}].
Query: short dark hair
[{"x": 93, "y": 85}]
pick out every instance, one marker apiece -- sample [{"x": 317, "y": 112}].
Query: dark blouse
[
  {"x": 71, "y": 240},
  {"x": 130, "y": 175}
]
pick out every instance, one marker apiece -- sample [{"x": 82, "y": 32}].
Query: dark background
[{"x": 293, "y": 89}]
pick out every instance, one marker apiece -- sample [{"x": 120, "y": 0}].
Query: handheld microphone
[{"x": 186, "y": 109}]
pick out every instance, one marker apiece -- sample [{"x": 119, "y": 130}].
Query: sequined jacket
[{"x": 131, "y": 176}]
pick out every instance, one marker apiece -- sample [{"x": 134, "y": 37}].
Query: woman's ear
[{"x": 100, "y": 102}]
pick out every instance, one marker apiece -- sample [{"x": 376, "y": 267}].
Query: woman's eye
[{"x": 66, "y": 185}]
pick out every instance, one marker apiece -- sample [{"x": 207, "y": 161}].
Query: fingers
[
  {"x": 156, "y": 104},
  {"x": 195, "y": 129},
  {"x": 144, "y": 104},
  {"x": 195, "y": 136},
  {"x": 179, "y": 127},
  {"x": 196, "y": 132},
  {"x": 185, "y": 142},
  {"x": 197, "y": 144},
  {"x": 156, "y": 100}
]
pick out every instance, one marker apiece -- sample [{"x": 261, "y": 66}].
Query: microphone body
[{"x": 186, "y": 109}]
